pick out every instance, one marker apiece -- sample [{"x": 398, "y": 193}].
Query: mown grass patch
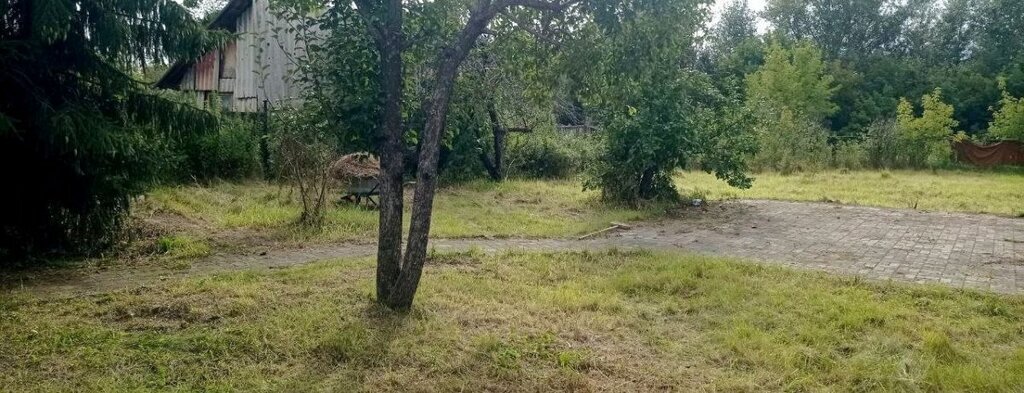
[
  {"x": 515, "y": 208},
  {"x": 974, "y": 191},
  {"x": 620, "y": 321},
  {"x": 182, "y": 247}
]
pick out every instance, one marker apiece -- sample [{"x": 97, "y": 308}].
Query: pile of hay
[{"x": 355, "y": 166}]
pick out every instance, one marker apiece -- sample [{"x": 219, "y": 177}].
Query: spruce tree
[{"x": 79, "y": 133}]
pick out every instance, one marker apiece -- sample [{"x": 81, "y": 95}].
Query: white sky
[{"x": 756, "y": 5}]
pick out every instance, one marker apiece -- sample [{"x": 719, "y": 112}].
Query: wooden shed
[{"x": 253, "y": 68}]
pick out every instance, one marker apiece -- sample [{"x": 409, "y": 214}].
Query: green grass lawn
[
  {"x": 515, "y": 208},
  {"x": 996, "y": 192},
  {"x": 520, "y": 322}
]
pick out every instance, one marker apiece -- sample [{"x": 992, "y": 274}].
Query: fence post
[{"x": 264, "y": 149}]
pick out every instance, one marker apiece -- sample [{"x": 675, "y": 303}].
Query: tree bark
[
  {"x": 646, "y": 189},
  {"x": 494, "y": 165},
  {"x": 387, "y": 35},
  {"x": 499, "y": 143}
]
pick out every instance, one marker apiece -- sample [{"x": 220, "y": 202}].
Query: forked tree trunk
[
  {"x": 415, "y": 256},
  {"x": 398, "y": 276}
]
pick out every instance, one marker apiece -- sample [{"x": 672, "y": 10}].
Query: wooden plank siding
[
  {"x": 206, "y": 72},
  {"x": 246, "y": 52},
  {"x": 257, "y": 66}
]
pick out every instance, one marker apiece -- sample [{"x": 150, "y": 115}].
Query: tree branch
[
  {"x": 541, "y": 5},
  {"x": 363, "y": 8}
]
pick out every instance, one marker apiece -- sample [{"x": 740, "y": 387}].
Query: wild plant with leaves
[
  {"x": 657, "y": 112},
  {"x": 790, "y": 96},
  {"x": 925, "y": 139},
  {"x": 1008, "y": 119},
  {"x": 79, "y": 134}
]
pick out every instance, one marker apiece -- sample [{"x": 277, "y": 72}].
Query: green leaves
[
  {"x": 1008, "y": 120},
  {"x": 925, "y": 139},
  {"x": 793, "y": 79},
  {"x": 51, "y": 20},
  {"x": 657, "y": 113},
  {"x": 790, "y": 95}
]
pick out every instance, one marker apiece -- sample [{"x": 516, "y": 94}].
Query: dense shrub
[
  {"x": 788, "y": 143},
  {"x": 460, "y": 154},
  {"x": 883, "y": 144},
  {"x": 552, "y": 155},
  {"x": 849, "y": 154},
  {"x": 924, "y": 140},
  {"x": 1008, "y": 120},
  {"x": 229, "y": 153},
  {"x": 538, "y": 155}
]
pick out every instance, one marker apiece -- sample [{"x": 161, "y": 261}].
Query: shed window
[{"x": 225, "y": 102}]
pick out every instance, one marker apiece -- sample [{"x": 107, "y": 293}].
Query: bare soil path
[{"x": 960, "y": 250}]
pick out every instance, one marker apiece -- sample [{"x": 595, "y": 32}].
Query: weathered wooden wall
[
  {"x": 246, "y": 94},
  {"x": 262, "y": 60}
]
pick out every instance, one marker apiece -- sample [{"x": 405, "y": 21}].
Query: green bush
[
  {"x": 229, "y": 153},
  {"x": 789, "y": 143},
  {"x": 851, "y": 154},
  {"x": 460, "y": 156},
  {"x": 1008, "y": 120},
  {"x": 912, "y": 141},
  {"x": 883, "y": 144},
  {"x": 545, "y": 156},
  {"x": 924, "y": 140}
]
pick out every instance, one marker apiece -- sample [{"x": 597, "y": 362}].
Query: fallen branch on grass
[{"x": 614, "y": 225}]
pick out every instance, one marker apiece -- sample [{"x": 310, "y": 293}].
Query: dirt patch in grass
[{"x": 610, "y": 321}]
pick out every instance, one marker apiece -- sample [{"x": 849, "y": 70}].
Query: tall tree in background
[
  {"x": 735, "y": 48},
  {"x": 955, "y": 34},
  {"x": 846, "y": 28},
  {"x": 791, "y": 96},
  {"x": 398, "y": 273},
  {"x": 738, "y": 23},
  {"x": 795, "y": 80},
  {"x": 1000, "y": 36},
  {"x": 78, "y": 134}
]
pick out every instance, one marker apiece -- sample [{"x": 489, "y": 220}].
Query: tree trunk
[
  {"x": 499, "y": 143},
  {"x": 389, "y": 240},
  {"x": 495, "y": 166},
  {"x": 647, "y": 183}
]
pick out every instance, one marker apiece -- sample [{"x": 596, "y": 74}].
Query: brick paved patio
[{"x": 960, "y": 250}]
